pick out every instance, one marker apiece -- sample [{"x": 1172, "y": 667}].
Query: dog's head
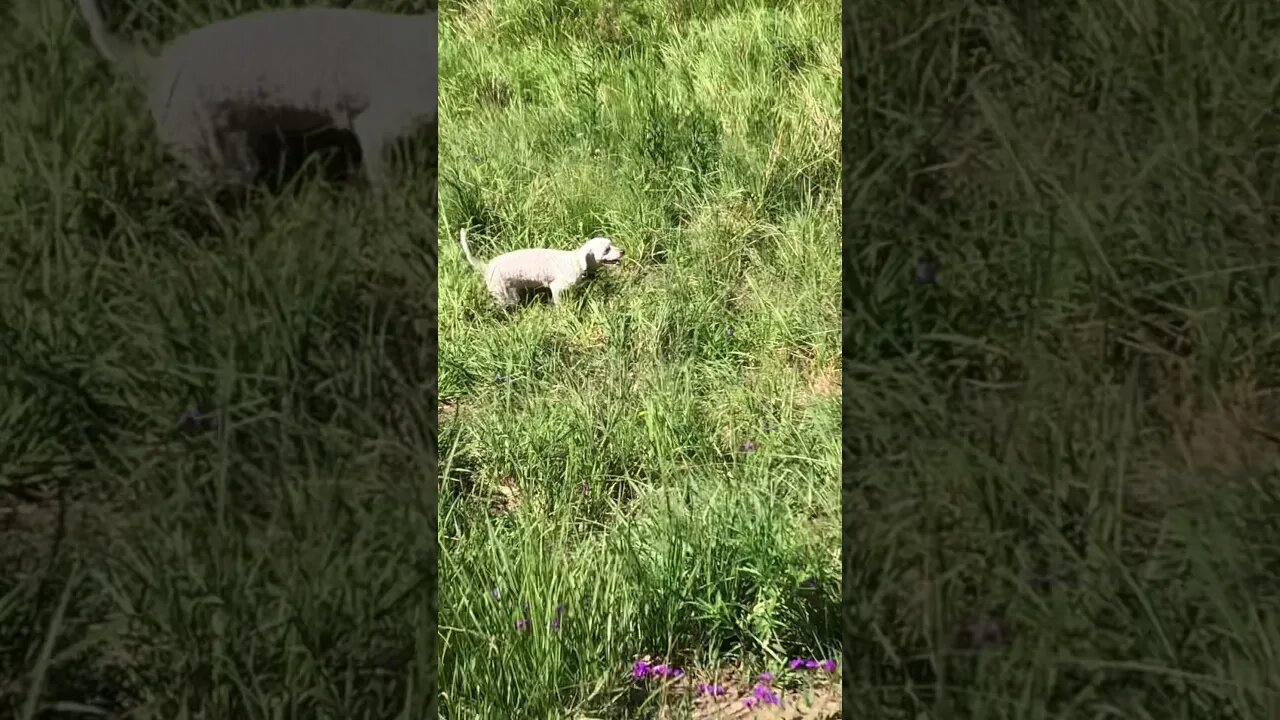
[{"x": 601, "y": 251}]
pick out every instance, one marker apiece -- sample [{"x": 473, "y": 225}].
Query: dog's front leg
[
  {"x": 371, "y": 132},
  {"x": 558, "y": 289}
]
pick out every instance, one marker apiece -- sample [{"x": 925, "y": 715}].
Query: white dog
[
  {"x": 216, "y": 90},
  {"x": 511, "y": 274}
]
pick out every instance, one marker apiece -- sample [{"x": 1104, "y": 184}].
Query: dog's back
[
  {"x": 305, "y": 57},
  {"x": 533, "y": 266}
]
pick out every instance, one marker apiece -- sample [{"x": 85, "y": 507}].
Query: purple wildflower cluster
[
  {"x": 763, "y": 693},
  {"x": 193, "y": 419},
  {"x": 643, "y": 670},
  {"x": 812, "y": 664},
  {"x": 712, "y": 690}
]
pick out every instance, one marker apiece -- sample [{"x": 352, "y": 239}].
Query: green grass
[
  {"x": 592, "y": 452},
  {"x": 276, "y": 563},
  {"x": 1071, "y": 437}
]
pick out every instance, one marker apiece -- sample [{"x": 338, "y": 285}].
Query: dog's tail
[
  {"x": 466, "y": 250},
  {"x": 130, "y": 58}
]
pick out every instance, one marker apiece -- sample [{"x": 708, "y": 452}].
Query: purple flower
[
  {"x": 644, "y": 669},
  {"x": 712, "y": 690},
  {"x": 811, "y": 664},
  {"x": 926, "y": 273},
  {"x": 555, "y": 623},
  {"x": 985, "y": 631},
  {"x": 522, "y": 624},
  {"x": 749, "y": 702},
  {"x": 766, "y": 696},
  {"x": 766, "y": 677},
  {"x": 192, "y": 419}
]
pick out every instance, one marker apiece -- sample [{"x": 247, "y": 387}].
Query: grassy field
[
  {"x": 648, "y": 470},
  {"x": 217, "y": 442},
  {"x": 1061, "y": 328}
]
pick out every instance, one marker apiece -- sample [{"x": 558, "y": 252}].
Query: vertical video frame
[{"x": 640, "y": 373}]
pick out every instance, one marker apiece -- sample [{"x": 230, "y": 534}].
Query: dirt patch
[
  {"x": 29, "y": 526},
  {"x": 1224, "y": 434},
  {"x": 508, "y": 496},
  {"x": 824, "y": 380},
  {"x": 447, "y": 409}
]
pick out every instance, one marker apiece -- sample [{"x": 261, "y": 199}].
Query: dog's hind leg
[{"x": 211, "y": 156}]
